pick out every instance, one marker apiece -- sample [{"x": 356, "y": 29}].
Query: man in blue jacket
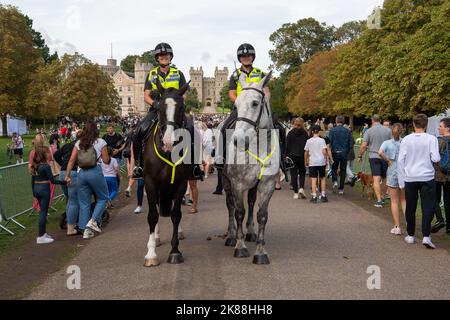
[{"x": 341, "y": 143}]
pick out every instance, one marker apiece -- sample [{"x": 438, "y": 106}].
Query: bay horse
[
  {"x": 165, "y": 171},
  {"x": 243, "y": 176}
]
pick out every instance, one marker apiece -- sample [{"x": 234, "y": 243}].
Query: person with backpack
[
  {"x": 416, "y": 174},
  {"x": 62, "y": 157},
  {"x": 89, "y": 152},
  {"x": 443, "y": 178}
]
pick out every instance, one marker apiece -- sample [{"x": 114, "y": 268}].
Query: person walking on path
[
  {"x": 42, "y": 176},
  {"x": 18, "y": 144},
  {"x": 295, "y": 149},
  {"x": 340, "y": 143},
  {"x": 389, "y": 151},
  {"x": 443, "y": 177},
  {"x": 372, "y": 140},
  {"x": 111, "y": 171},
  {"x": 351, "y": 177},
  {"x": 316, "y": 157},
  {"x": 62, "y": 157},
  {"x": 416, "y": 174},
  {"x": 90, "y": 150}
]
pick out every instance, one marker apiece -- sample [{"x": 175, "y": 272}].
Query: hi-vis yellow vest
[
  {"x": 171, "y": 81},
  {"x": 255, "y": 76}
]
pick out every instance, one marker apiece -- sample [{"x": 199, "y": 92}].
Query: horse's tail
[{"x": 165, "y": 204}]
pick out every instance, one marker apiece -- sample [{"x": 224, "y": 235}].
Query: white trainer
[
  {"x": 43, "y": 240},
  {"x": 410, "y": 240},
  {"x": 427, "y": 243},
  {"x": 138, "y": 210},
  {"x": 295, "y": 196},
  {"x": 302, "y": 194},
  {"x": 396, "y": 230},
  {"x": 88, "y": 234},
  {"x": 92, "y": 224},
  {"x": 48, "y": 236}
]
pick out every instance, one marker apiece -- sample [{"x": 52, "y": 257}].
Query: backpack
[
  {"x": 87, "y": 159},
  {"x": 444, "y": 163}
]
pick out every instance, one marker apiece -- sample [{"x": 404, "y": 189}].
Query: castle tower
[
  {"x": 141, "y": 71},
  {"x": 196, "y": 76},
  {"x": 221, "y": 78}
]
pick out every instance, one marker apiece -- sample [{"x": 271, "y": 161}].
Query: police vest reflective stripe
[
  {"x": 255, "y": 76},
  {"x": 171, "y": 81}
]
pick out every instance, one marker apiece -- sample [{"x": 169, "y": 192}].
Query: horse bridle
[{"x": 255, "y": 124}]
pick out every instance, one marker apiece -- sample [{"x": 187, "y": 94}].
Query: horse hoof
[
  {"x": 230, "y": 242},
  {"x": 151, "y": 263},
  {"x": 158, "y": 242},
  {"x": 181, "y": 236},
  {"x": 261, "y": 259},
  {"x": 250, "y": 237},
  {"x": 241, "y": 253},
  {"x": 175, "y": 258}
]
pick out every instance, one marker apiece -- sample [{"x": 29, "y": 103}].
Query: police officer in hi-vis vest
[
  {"x": 169, "y": 77},
  {"x": 246, "y": 55}
]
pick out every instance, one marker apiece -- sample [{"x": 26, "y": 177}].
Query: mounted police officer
[
  {"x": 169, "y": 77},
  {"x": 246, "y": 55}
]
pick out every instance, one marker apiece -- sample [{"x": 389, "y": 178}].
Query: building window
[
  {"x": 129, "y": 100},
  {"x": 129, "y": 88},
  {"x": 120, "y": 89},
  {"x": 121, "y": 100}
]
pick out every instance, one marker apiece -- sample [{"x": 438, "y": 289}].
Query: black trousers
[
  {"x": 298, "y": 173},
  {"x": 443, "y": 188},
  {"x": 219, "y": 187},
  {"x": 427, "y": 191},
  {"x": 339, "y": 161}
]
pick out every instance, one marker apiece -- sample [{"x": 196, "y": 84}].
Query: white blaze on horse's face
[{"x": 169, "y": 135}]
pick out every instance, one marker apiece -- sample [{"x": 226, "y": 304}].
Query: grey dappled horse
[{"x": 243, "y": 173}]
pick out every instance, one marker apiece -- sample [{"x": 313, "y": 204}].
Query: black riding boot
[
  {"x": 220, "y": 157},
  {"x": 141, "y": 132},
  {"x": 197, "y": 172}
]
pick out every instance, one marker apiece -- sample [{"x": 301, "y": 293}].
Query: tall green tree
[
  {"x": 192, "y": 102},
  {"x": 40, "y": 44},
  {"x": 19, "y": 60},
  {"x": 296, "y": 42},
  {"x": 225, "y": 104},
  {"x": 127, "y": 64},
  {"x": 278, "y": 96}
]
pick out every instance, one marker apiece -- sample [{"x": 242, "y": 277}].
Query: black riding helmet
[
  {"x": 163, "y": 48},
  {"x": 246, "y": 49}
]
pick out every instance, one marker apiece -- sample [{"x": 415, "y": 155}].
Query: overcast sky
[{"x": 202, "y": 32}]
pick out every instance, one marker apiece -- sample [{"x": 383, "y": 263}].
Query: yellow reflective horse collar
[
  {"x": 173, "y": 165},
  {"x": 263, "y": 161}
]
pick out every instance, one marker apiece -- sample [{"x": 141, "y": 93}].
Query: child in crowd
[
  {"x": 111, "y": 171},
  {"x": 316, "y": 158}
]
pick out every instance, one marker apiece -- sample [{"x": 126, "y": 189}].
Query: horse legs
[
  {"x": 175, "y": 256},
  {"x": 180, "y": 233},
  {"x": 251, "y": 235},
  {"x": 231, "y": 233},
  {"x": 240, "y": 250},
  {"x": 151, "y": 259},
  {"x": 266, "y": 191}
]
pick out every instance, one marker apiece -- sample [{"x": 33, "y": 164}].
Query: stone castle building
[
  {"x": 129, "y": 86},
  {"x": 208, "y": 89}
]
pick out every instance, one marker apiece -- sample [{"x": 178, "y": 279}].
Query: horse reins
[{"x": 255, "y": 124}]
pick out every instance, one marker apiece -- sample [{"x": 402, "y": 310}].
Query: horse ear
[
  {"x": 159, "y": 86},
  {"x": 266, "y": 79},
  {"x": 184, "y": 88}
]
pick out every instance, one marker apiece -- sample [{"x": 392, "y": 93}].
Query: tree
[
  {"x": 88, "y": 92},
  {"x": 296, "y": 42},
  {"x": 127, "y": 64},
  {"x": 19, "y": 60},
  {"x": 40, "y": 44},
  {"x": 192, "y": 101},
  {"x": 350, "y": 31},
  {"x": 278, "y": 96},
  {"x": 305, "y": 85},
  {"x": 225, "y": 104}
]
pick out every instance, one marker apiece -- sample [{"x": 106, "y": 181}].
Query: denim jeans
[
  {"x": 91, "y": 182},
  {"x": 113, "y": 187},
  {"x": 65, "y": 189},
  {"x": 72, "y": 208},
  {"x": 340, "y": 161},
  {"x": 42, "y": 193},
  {"x": 140, "y": 192}
]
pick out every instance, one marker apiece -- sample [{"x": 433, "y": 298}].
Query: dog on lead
[{"x": 366, "y": 183}]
